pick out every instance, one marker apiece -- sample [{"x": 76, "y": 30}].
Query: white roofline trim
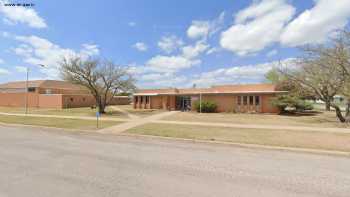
[{"x": 196, "y": 93}]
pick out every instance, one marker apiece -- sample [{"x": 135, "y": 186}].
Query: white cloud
[
  {"x": 213, "y": 50},
  {"x": 23, "y": 50},
  {"x": 4, "y": 71},
  {"x": 257, "y": 26},
  {"x": 272, "y": 53},
  {"x": 186, "y": 59},
  {"x": 238, "y": 74},
  {"x": 170, "y": 64},
  {"x": 198, "y": 29},
  {"x": 2, "y": 61},
  {"x": 316, "y": 24},
  {"x": 35, "y": 50},
  {"x": 89, "y": 50},
  {"x": 190, "y": 51},
  {"x": 21, "y": 69},
  {"x": 148, "y": 77},
  {"x": 19, "y": 14},
  {"x": 170, "y": 43},
  {"x": 140, "y": 46},
  {"x": 203, "y": 29}
]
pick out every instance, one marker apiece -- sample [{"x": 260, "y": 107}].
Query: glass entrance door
[{"x": 183, "y": 103}]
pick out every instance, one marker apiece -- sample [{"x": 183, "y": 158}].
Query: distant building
[
  {"x": 49, "y": 94},
  {"x": 229, "y": 98}
]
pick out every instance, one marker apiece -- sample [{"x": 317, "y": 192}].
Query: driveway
[{"x": 44, "y": 162}]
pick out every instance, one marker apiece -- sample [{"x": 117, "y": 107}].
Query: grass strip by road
[
  {"x": 82, "y": 111},
  {"x": 281, "y": 138},
  {"x": 64, "y": 123}
]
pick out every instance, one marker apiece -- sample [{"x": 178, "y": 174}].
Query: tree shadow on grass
[{"x": 301, "y": 113}]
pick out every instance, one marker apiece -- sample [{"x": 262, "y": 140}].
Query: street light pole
[
  {"x": 26, "y": 92},
  {"x": 200, "y": 102},
  {"x": 27, "y": 84}
]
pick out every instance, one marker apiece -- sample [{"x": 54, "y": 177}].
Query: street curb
[
  {"x": 242, "y": 145},
  {"x": 45, "y": 127}
]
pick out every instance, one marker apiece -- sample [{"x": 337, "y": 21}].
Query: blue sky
[{"x": 165, "y": 43}]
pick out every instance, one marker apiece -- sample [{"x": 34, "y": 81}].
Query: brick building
[
  {"x": 229, "y": 98},
  {"x": 48, "y": 94}
]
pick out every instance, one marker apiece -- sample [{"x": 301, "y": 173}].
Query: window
[
  {"x": 239, "y": 100},
  {"x": 141, "y": 99},
  {"x": 257, "y": 100},
  {"x": 84, "y": 99},
  {"x": 48, "y": 91},
  {"x": 31, "y": 89},
  {"x": 251, "y": 100},
  {"x": 245, "y": 100},
  {"x": 71, "y": 99},
  {"x": 147, "y": 99},
  {"x": 136, "y": 99}
]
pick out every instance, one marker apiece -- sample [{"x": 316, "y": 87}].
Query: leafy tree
[
  {"x": 104, "y": 79},
  {"x": 283, "y": 83}
]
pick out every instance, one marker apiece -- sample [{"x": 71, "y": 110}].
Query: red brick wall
[
  {"x": 50, "y": 101},
  {"x": 18, "y": 99},
  {"x": 266, "y": 104},
  {"x": 226, "y": 103},
  {"x": 79, "y": 100}
]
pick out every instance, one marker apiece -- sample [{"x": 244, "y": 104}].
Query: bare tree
[
  {"x": 325, "y": 69},
  {"x": 104, "y": 79}
]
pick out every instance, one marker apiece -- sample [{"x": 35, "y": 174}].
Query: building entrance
[{"x": 183, "y": 103}]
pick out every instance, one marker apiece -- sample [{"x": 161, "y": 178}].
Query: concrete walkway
[
  {"x": 130, "y": 115},
  {"x": 136, "y": 122}
]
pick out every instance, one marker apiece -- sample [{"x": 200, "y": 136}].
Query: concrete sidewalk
[
  {"x": 67, "y": 117},
  {"x": 132, "y": 116},
  {"x": 136, "y": 122}
]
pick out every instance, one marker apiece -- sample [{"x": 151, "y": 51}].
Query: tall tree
[
  {"x": 104, "y": 79},
  {"x": 325, "y": 69}
]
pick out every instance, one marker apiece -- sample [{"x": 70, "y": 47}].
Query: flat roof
[{"x": 218, "y": 89}]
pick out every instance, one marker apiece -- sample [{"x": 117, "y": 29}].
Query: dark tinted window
[
  {"x": 31, "y": 89},
  {"x": 251, "y": 100},
  {"x": 257, "y": 100}
]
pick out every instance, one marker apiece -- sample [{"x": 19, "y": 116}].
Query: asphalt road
[{"x": 45, "y": 162}]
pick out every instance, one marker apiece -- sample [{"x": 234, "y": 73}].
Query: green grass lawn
[
  {"x": 57, "y": 122},
  {"x": 284, "y": 138}
]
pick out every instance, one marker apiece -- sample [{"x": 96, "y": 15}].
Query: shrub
[
  {"x": 207, "y": 106},
  {"x": 302, "y": 105},
  {"x": 286, "y": 102}
]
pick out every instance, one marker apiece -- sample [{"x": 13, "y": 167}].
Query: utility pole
[{"x": 200, "y": 102}]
